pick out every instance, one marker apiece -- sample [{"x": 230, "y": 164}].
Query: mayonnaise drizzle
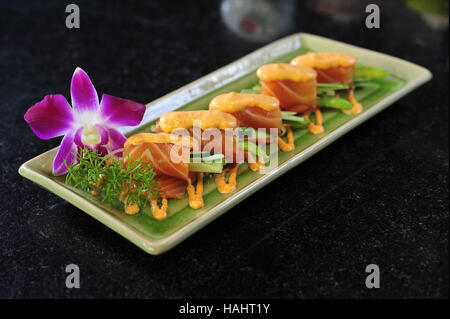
[
  {"x": 255, "y": 166},
  {"x": 316, "y": 128},
  {"x": 227, "y": 187},
  {"x": 130, "y": 209},
  {"x": 196, "y": 192},
  {"x": 158, "y": 212},
  {"x": 357, "y": 107},
  {"x": 289, "y": 146}
]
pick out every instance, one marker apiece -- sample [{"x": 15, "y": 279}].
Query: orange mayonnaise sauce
[
  {"x": 357, "y": 107},
  {"x": 130, "y": 209},
  {"x": 234, "y": 102},
  {"x": 285, "y": 72},
  {"x": 289, "y": 146},
  {"x": 205, "y": 119},
  {"x": 227, "y": 187},
  {"x": 255, "y": 166},
  {"x": 316, "y": 128},
  {"x": 158, "y": 212},
  {"x": 324, "y": 60},
  {"x": 196, "y": 192},
  {"x": 159, "y": 138}
]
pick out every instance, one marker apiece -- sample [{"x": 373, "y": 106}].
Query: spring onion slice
[
  {"x": 249, "y": 91},
  {"x": 209, "y": 162},
  {"x": 257, "y": 87},
  {"x": 254, "y": 149},
  {"x": 326, "y": 92},
  {"x": 293, "y": 120},
  {"x": 253, "y": 133},
  {"x": 207, "y": 157},
  {"x": 334, "y": 102},
  {"x": 211, "y": 167},
  {"x": 287, "y": 113},
  {"x": 332, "y": 86},
  {"x": 367, "y": 73}
]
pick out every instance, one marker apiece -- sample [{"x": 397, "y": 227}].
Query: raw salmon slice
[
  {"x": 171, "y": 187},
  {"x": 256, "y": 117},
  {"x": 336, "y": 74},
  {"x": 299, "y": 97},
  {"x": 331, "y": 67},
  {"x": 160, "y": 156},
  {"x": 217, "y": 141}
]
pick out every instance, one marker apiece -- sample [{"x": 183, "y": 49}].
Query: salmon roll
[
  {"x": 169, "y": 155},
  {"x": 212, "y": 125},
  {"x": 250, "y": 110},
  {"x": 294, "y": 86},
  {"x": 213, "y": 132},
  {"x": 254, "y": 110},
  {"x": 211, "y": 142},
  {"x": 160, "y": 153},
  {"x": 332, "y": 67}
]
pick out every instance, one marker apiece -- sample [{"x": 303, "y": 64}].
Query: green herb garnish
[{"x": 108, "y": 176}]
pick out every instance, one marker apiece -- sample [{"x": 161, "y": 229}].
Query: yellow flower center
[{"x": 90, "y": 135}]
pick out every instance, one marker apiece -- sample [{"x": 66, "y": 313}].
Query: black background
[{"x": 378, "y": 195}]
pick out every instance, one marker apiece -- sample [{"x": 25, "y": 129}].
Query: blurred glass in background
[{"x": 258, "y": 20}]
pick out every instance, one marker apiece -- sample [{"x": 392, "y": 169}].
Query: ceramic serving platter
[{"x": 155, "y": 236}]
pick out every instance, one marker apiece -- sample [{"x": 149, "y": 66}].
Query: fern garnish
[{"x": 133, "y": 182}]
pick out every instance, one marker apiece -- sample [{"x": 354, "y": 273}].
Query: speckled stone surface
[{"x": 378, "y": 195}]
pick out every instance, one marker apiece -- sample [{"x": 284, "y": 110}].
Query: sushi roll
[
  {"x": 213, "y": 132},
  {"x": 256, "y": 111},
  {"x": 174, "y": 176},
  {"x": 250, "y": 110},
  {"x": 214, "y": 122},
  {"x": 295, "y": 87},
  {"x": 332, "y": 67}
]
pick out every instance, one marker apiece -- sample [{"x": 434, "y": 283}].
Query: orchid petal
[
  {"x": 116, "y": 141},
  {"x": 77, "y": 137},
  {"x": 119, "y": 112},
  {"x": 66, "y": 155},
  {"x": 50, "y": 117},
  {"x": 104, "y": 134},
  {"x": 84, "y": 95},
  {"x": 102, "y": 151}
]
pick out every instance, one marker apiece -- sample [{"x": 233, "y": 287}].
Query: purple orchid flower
[{"x": 88, "y": 124}]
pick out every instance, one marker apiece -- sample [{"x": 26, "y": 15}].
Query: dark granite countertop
[{"x": 378, "y": 195}]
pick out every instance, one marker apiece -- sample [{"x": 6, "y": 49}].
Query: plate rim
[{"x": 158, "y": 246}]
